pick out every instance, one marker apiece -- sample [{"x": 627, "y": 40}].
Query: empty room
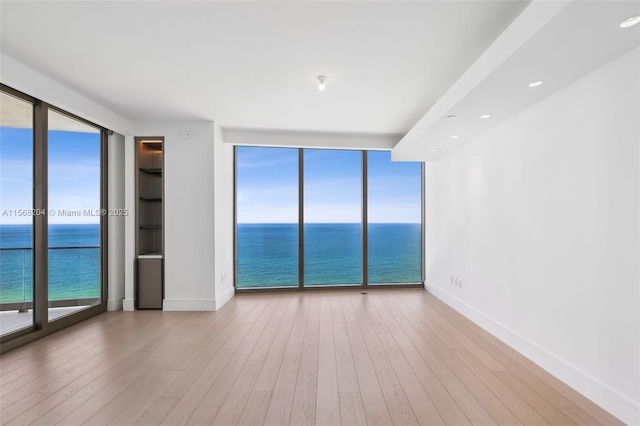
[{"x": 320, "y": 212}]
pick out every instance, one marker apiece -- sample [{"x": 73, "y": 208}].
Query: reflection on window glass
[
  {"x": 16, "y": 215},
  {"x": 267, "y": 216},
  {"x": 395, "y": 217},
  {"x": 74, "y": 218},
  {"x": 332, "y": 217}
]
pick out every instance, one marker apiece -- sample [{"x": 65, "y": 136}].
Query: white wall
[
  {"x": 129, "y": 223},
  {"x": 116, "y": 237},
  {"x": 539, "y": 218},
  {"x": 189, "y": 251},
  {"x": 224, "y": 220}
]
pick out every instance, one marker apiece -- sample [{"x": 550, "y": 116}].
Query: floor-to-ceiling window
[
  {"x": 52, "y": 220},
  {"x": 311, "y": 218},
  {"x": 394, "y": 213},
  {"x": 267, "y": 217},
  {"x": 332, "y": 217}
]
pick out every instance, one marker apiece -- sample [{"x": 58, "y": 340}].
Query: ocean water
[
  {"x": 74, "y": 262},
  {"x": 267, "y": 257},
  {"x": 268, "y": 254}
]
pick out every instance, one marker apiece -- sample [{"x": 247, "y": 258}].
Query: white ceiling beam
[{"x": 307, "y": 139}]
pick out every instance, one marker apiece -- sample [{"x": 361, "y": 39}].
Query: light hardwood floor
[{"x": 387, "y": 357}]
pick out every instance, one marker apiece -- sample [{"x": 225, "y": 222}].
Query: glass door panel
[
  {"x": 74, "y": 215},
  {"x": 267, "y": 217},
  {"x": 332, "y": 217},
  {"x": 394, "y": 192},
  {"x": 16, "y": 215}
]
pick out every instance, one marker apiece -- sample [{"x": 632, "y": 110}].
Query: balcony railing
[{"x": 74, "y": 277}]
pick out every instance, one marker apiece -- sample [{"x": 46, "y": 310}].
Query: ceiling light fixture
[
  {"x": 451, "y": 116},
  {"x": 433, "y": 150},
  {"x": 630, "y": 22},
  {"x": 454, "y": 136},
  {"x": 485, "y": 116},
  {"x": 536, "y": 83},
  {"x": 321, "y": 79}
]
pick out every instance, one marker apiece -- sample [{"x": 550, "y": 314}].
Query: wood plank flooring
[{"x": 397, "y": 357}]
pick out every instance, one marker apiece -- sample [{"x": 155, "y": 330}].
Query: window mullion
[
  {"x": 300, "y": 218},
  {"x": 40, "y": 200},
  {"x": 423, "y": 221},
  {"x": 365, "y": 223}
]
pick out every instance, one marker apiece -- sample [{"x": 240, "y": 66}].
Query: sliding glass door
[
  {"x": 16, "y": 218},
  {"x": 312, "y": 218},
  {"x": 74, "y": 215},
  {"x": 53, "y": 219}
]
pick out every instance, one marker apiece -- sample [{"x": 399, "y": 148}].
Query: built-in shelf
[
  {"x": 149, "y": 220},
  {"x": 152, "y": 170},
  {"x": 149, "y": 192}
]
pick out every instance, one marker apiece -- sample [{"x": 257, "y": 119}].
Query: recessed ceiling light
[
  {"x": 485, "y": 116},
  {"x": 454, "y": 136},
  {"x": 630, "y": 22},
  {"x": 451, "y": 116},
  {"x": 433, "y": 150},
  {"x": 321, "y": 79},
  {"x": 536, "y": 83}
]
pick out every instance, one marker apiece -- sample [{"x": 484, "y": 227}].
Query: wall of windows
[
  {"x": 52, "y": 223},
  {"x": 317, "y": 218}
]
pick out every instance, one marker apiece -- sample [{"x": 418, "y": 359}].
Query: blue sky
[
  {"x": 268, "y": 187},
  {"x": 74, "y": 173}
]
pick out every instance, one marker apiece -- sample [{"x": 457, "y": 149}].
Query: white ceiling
[
  {"x": 253, "y": 64},
  {"x": 557, "y": 42}
]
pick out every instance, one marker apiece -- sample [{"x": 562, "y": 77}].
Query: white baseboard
[
  {"x": 189, "y": 305},
  {"x": 227, "y": 295},
  {"x": 606, "y": 397},
  {"x": 198, "y": 304},
  {"x": 114, "y": 304},
  {"x": 128, "y": 305}
]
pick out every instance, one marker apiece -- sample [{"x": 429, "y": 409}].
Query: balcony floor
[{"x": 13, "y": 320}]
